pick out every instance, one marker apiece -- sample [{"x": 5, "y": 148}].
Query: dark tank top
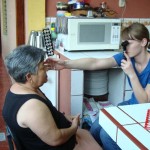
[{"x": 28, "y": 139}]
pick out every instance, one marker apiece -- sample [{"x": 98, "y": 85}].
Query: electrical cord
[{"x": 123, "y": 10}]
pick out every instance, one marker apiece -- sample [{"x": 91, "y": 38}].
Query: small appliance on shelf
[
  {"x": 42, "y": 39},
  {"x": 85, "y": 33}
]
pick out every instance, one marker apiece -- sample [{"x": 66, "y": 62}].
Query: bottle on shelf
[{"x": 53, "y": 34}]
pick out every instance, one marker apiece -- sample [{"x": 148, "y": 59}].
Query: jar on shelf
[{"x": 53, "y": 36}]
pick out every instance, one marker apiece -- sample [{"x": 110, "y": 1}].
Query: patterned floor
[{"x": 4, "y": 86}]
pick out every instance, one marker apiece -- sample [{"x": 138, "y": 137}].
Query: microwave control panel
[{"x": 115, "y": 34}]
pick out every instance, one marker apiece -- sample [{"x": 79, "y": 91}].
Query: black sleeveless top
[{"x": 29, "y": 139}]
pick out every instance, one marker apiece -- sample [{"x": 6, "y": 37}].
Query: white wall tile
[
  {"x": 146, "y": 22},
  {"x": 128, "y": 21}
]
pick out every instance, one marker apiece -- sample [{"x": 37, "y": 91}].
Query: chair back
[{"x": 13, "y": 141}]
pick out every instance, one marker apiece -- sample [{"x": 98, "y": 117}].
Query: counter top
[
  {"x": 125, "y": 125},
  {"x": 87, "y": 54}
]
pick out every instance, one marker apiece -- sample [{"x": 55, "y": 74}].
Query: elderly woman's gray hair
[{"x": 23, "y": 60}]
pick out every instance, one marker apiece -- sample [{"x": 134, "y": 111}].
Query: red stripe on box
[
  {"x": 147, "y": 122},
  {"x": 135, "y": 120},
  {"x": 128, "y": 134}
]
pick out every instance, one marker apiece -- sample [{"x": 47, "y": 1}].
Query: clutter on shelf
[
  {"x": 62, "y": 9},
  {"x": 95, "y": 95},
  {"x": 83, "y": 8},
  {"x": 104, "y": 11},
  {"x": 91, "y": 111}
]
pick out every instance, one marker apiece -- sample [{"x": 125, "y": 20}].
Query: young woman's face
[
  {"x": 134, "y": 48},
  {"x": 41, "y": 77}
]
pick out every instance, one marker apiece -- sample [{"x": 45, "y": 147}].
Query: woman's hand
[
  {"x": 76, "y": 120},
  {"x": 127, "y": 67},
  {"x": 71, "y": 118},
  {"x": 54, "y": 64}
]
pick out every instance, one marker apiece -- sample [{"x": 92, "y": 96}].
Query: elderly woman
[{"x": 28, "y": 112}]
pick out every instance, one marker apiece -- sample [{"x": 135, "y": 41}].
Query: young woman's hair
[
  {"x": 23, "y": 60},
  {"x": 136, "y": 31}
]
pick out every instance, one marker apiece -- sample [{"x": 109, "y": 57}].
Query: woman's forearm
[
  {"x": 138, "y": 90},
  {"x": 90, "y": 63},
  {"x": 83, "y": 64}
]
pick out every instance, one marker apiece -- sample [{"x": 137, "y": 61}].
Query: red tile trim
[
  {"x": 133, "y": 118},
  {"x": 128, "y": 134},
  {"x": 147, "y": 122}
]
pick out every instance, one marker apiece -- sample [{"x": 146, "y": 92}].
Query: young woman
[
  {"x": 135, "y": 62},
  {"x": 29, "y": 113}
]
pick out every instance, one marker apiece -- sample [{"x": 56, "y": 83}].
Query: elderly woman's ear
[{"x": 28, "y": 76}]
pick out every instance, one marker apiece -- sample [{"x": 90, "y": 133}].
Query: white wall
[{"x": 34, "y": 20}]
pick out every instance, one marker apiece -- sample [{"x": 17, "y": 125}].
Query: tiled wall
[{"x": 128, "y": 21}]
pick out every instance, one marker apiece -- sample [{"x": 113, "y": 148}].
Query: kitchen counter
[{"x": 87, "y": 54}]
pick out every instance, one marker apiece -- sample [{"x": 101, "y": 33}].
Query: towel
[{"x": 62, "y": 25}]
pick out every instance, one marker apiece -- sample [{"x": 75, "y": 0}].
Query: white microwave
[{"x": 91, "y": 34}]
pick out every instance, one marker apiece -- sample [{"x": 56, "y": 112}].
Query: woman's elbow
[
  {"x": 53, "y": 139},
  {"x": 57, "y": 139}
]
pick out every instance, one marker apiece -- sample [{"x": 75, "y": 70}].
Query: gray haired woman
[{"x": 29, "y": 113}]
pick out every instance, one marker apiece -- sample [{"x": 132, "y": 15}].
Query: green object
[
  {"x": 53, "y": 34},
  {"x": 53, "y": 25}
]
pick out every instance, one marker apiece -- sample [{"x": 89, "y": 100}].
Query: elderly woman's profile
[{"x": 30, "y": 114}]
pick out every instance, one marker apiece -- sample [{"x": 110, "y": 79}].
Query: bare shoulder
[
  {"x": 34, "y": 105},
  {"x": 35, "y": 115},
  {"x": 30, "y": 110}
]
